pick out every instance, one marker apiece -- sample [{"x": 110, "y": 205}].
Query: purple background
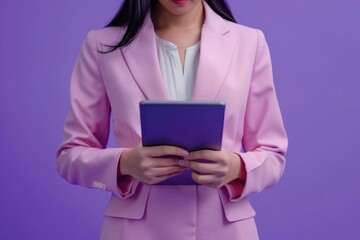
[{"x": 315, "y": 49}]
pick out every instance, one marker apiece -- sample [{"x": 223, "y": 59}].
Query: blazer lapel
[
  {"x": 141, "y": 58},
  {"x": 215, "y": 56}
]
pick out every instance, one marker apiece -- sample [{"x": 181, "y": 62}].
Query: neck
[{"x": 164, "y": 19}]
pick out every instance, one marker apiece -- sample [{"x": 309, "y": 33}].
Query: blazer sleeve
[
  {"x": 264, "y": 140},
  {"x": 83, "y": 158}
]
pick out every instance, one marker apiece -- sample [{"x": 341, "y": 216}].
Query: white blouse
[{"x": 179, "y": 81}]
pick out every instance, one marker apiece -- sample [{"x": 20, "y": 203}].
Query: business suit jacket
[{"x": 234, "y": 67}]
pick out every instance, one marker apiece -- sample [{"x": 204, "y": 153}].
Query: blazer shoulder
[
  {"x": 105, "y": 37},
  {"x": 245, "y": 35},
  {"x": 243, "y": 31}
]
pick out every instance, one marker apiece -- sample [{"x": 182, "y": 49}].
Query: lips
[{"x": 180, "y": 2}]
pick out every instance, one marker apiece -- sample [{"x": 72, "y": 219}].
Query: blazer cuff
[
  {"x": 236, "y": 187},
  {"x": 126, "y": 183}
]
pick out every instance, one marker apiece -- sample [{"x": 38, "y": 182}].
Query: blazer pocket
[
  {"x": 235, "y": 211},
  {"x": 130, "y": 208}
]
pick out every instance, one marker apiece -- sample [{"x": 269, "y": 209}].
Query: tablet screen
[{"x": 191, "y": 125}]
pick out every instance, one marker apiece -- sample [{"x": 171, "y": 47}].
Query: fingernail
[
  {"x": 182, "y": 163},
  {"x": 185, "y": 155}
]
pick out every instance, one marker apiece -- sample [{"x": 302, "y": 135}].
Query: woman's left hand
[{"x": 218, "y": 169}]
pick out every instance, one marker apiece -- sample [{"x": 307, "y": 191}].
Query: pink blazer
[{"x": 234, "y": 67}]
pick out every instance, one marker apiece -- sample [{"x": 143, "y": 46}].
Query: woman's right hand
[{"x": 152, "y": 164}]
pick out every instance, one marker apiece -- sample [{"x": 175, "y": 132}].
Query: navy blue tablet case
[{"x": 186, "y": 124}]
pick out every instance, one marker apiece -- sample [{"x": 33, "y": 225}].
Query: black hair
[{"x": 132, "y": 14}]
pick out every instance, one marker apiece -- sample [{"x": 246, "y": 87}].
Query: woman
[{"x": 178, "y": 50}]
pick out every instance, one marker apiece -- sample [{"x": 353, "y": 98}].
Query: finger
[
  {"x": 148, "y": 164},
  {"x": 165, "y": 162},
  {"x": 203, "y": 179},
  {"x": 156, "y": 180},
  {"x": 165, "y": 171},
  {"x": 203, "y": 168},
  {"x": 208, "y": 155},
  {"x": 208, "y": 180},
  {"x": 165, "y": 150}
]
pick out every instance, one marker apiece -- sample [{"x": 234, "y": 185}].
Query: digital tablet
[{"x": 191, "y": 125}]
